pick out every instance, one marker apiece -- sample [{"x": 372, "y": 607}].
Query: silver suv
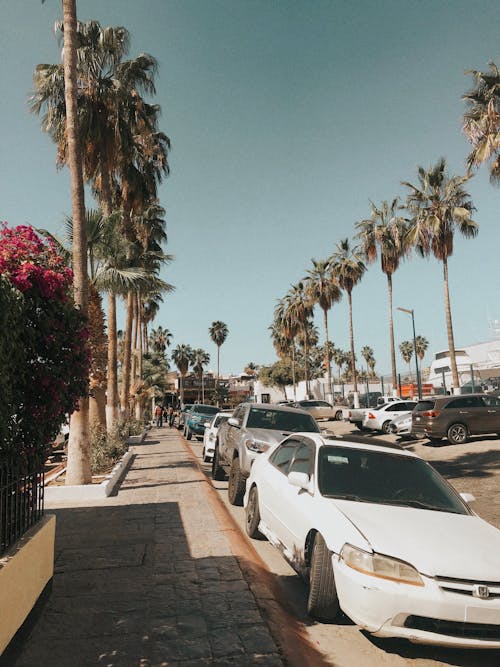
[{"x": 251, "y": 430}]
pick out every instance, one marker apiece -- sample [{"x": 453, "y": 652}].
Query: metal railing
[{"x": 21, "y": 497}]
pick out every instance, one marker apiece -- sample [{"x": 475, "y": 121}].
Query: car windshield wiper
[
  {"x": 346, "y": 496},
  {"x": 410, "y": 502}
]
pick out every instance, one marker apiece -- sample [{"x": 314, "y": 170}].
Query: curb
[{"x": 82, "y": 492}]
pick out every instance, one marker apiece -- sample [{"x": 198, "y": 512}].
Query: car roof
[
  {"x": 278, "y": 408},
  {"x": 357, "y": 442}
]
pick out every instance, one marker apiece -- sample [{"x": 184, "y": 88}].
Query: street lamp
[{"x": 419, "y": 384}]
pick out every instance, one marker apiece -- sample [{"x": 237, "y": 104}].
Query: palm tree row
[
  {"x": 123, "y": 155},
  {"x": 436, "y": 207}
]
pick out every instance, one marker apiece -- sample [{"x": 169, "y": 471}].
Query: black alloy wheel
[{"x": 457, "y": 434}]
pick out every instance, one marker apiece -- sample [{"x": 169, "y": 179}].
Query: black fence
[{"x": 21, "y": 497}]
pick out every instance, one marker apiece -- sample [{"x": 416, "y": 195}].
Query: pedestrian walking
[
  {"x": 159, "y": 415},
  {"x": 170, "y": 416}
]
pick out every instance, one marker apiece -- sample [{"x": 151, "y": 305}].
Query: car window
[
  {"x": 281, "y": 420},
  {"x": 206, "y": 409},
  {"x": 423, "y": 406},
  {"x": 220, "y": 420},
  {"x": 283, "y": 455},
  {"x": 324, "y": 404},
  {"x": 384, "y": 478},
  {"x": 303, "y": 459},
  {"x": 238, "y": 413},
  {"x": 410, "y": 405},
  {"x": 465, "y": 402},
  {"x": 491, "y": 401}
]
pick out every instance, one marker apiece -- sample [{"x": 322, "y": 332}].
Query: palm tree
[
  {"x": 348, "y": 268},
  {"x": 298, "y": 309},
  {"x": 421, "y": 345},
  {"x": 482, "y": 121},
  {"x": 323, "y": 289},
  {"x": 200, "y": 359},
  {"x": 406, "y": 349},
  {"x": 251, "y": 368},
  {"x": 367, "y": 354},
  {"x": 385, "y": 233},
  {"x": 78, "y": 464},
  {"x": 218, "y": 333},
  {"x": 437, "y": 206},
  {"x": 340, "y": 358},
  {"x": 284, "y": 330},
  {"x": 160, "y": 339},
  {"x": 182, "y": 356}
]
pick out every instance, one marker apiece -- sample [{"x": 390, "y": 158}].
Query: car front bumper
[
  {"x": 422, "y": 614},
  {"x": 198, "y": 428}
]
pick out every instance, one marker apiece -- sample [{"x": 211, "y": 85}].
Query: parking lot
[{"x": 473, "y": 467}]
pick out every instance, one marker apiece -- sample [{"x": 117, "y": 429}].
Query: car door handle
[
  {"x": 493, "y": 411},
  {"x": 463, "y": 412}
]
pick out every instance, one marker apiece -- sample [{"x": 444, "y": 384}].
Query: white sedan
[
  {"x": 379, "y": 419},
  {"x": 380, "y": 535},
  {"x": 210, "y": 434}
]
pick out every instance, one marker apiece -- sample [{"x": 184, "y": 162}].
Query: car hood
[{"x": 436, "y": 543}]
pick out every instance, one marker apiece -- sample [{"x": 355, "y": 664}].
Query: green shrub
[{"x": 106, "y": 449}]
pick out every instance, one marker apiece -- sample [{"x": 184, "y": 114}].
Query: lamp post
[{"x": 410, "y": 312}]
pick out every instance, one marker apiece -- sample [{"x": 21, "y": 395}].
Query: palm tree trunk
[
  {"x": 218, "y": 354},
  {"x": 351, "y": 337},
  {"x": 127, "y": 349},
  {"x": 449, "y": 327},
  {"x": 78, "y": 464},
  {"x": 306, "y": 361},
  {"x": 112, "y": 389},
  {"x": 293, "y": 371},
  {"x": 133, "y": 367},
  {"x": 391, "y": 333},
  {"x": 327, "y": 353}
]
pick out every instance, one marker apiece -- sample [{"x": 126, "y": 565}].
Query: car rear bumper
[{"x": 422, "y": 614}]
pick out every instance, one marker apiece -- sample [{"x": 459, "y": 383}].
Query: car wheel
[
  {"x": 217, "y": 470},
  {"x": 236, "y": 484},
  {"x": 204, "y": 456},
  {"x": 322, "y": 602},
  {"x": 338, "y": 415},
  {"x": 457, "y": 434},
  {"x": 252, "y": 515},
  {"x": 189, "y": 435},
  {"x": 386, "y": 426}
]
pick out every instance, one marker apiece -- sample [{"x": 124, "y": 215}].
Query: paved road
[{"x": 473, "y": 467}]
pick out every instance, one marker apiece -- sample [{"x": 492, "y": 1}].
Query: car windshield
[
  {"x": 206, "y": 409},
  {"x": 279, "y": 420},
  {"x": 384, "y": 478}
]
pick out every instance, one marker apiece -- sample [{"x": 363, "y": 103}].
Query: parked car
[
  {"x": 210, "y": 435},
  {"x": 380, "y": 535},
  {"x": 182, "y": 415},
  {"x": 401, "y": 426},
  {"x": 456, "y": 417},
  {"x": 318, "y": 409},
  {"x": 251, "y": 430},
  {"x": 380, "y": 418},
  {"x": 196, "y": 418}
]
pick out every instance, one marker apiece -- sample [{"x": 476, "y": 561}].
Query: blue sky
[{"x": 286, "y": 118}]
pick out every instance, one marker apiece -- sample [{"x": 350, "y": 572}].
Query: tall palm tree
[
  {"x": 385, "y": 233},
  {"x": 78, "y": 464},
  {"x": 218, "y": 333},
  {"x": 406, "y": 349},
  {"x": 298, "y": 310},
  {"x": 182, "y": 356},
  {"x": 348, "y": 268},
  {"x": 438, "y": 205},
  {"x": 323, "y": 289},
  {"x": 482, "y": 121},
  {"x": 368, "y": 356},
  {"x": 421, "y": 344},
  {"x": 160, "y": 339},
  {"x": 200, "y": 360},
  {"x": 284, "y": 331},
  {"x": 340, "y": 358}
]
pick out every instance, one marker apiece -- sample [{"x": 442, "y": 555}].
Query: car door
[
  {"x": 272, "y": 483},
  {"x": 491, "y": 414},
  {"x": 232, "y": 434},
  {"x": 468, "y": 410}
]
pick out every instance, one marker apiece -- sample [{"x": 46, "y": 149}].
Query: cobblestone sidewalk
[{"x": 147, "y": 578}]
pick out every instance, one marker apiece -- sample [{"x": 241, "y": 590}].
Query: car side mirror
[
  {"x": 300, "y": 479},
  {"x": 206, "y": 424},
  {"x": 468, "y": 497},
  {"x": 233, "y": 421}
]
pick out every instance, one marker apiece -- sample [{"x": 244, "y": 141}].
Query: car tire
[
  {"x": 217, "y": 470},
  {"x": 204, "y": 456},
  {"x": 189, "y": 434},
  {"x": 252, "y": 515},
  {"x": 322, "y": 602},
  {"x": 359, "y": 425},
  {"x": 338, "y": 416},
  {"x": 457, "y": 434},
  {"x": 386, "y": 427},
  {"x": 236, "y": 484}
]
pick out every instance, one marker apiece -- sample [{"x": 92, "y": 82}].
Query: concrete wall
[{"x": 24, "y": 572}]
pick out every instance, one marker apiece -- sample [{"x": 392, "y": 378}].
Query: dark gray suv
[{"x": 456, "y": 417}]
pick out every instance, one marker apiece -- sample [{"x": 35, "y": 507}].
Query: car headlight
[
  {"x": 256, "y": 446},
  {"x": 383, "y": 567}
]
